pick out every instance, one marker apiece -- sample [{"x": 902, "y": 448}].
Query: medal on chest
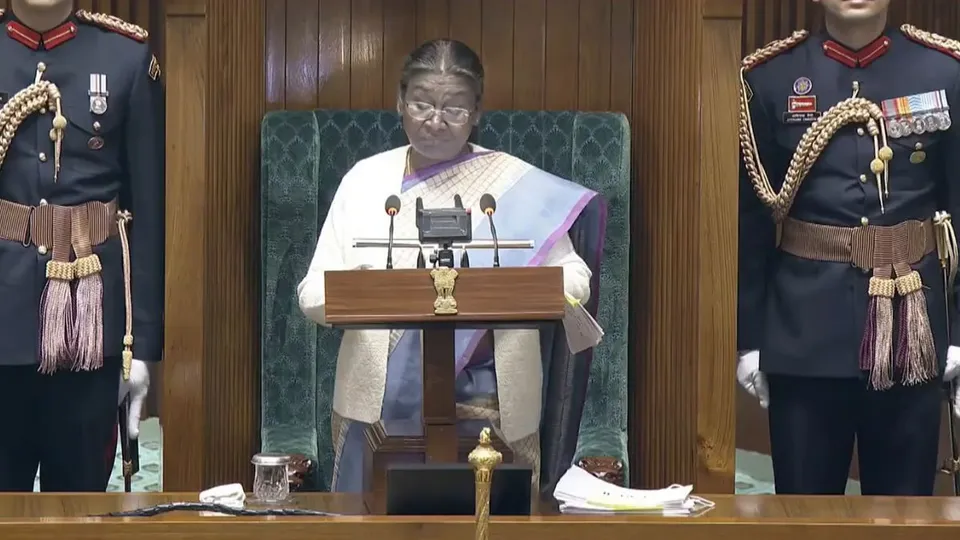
[
  {"x": 98, "y": 93},
  {"x": 917, "y": 114}
]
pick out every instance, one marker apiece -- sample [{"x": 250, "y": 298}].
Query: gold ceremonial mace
[{"x": 484, "y": 458}]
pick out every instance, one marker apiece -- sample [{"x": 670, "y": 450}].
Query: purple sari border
[
  {"x": 562, "y": 229},
  {"x": 464, "y": 360},
  {"x": 416, "y": 177},
  {"x": 587, "y": 355}
]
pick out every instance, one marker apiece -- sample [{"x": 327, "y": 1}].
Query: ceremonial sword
[
  {"x": 947, "y": 252},
  {"x": 129, "y": 448}
]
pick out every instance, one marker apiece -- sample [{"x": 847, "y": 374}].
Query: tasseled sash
[
  {"x": 71, "y": 318},
  {"x": 913, "y": 357},
  {"x": 897, "y": 345}
]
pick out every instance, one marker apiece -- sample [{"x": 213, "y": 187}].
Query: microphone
[
  {"x": 457, "y": 201},
  {"x": 488, "y": 205},
  {"x": 392, "y": 207}
]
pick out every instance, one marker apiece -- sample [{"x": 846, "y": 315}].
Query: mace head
[{"x": 485, "y": 456}]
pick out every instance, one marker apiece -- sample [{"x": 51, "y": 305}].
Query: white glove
[
  {"x": 956, "y": 398},
  {"x": 137, "y": 387},
  {"x": 953, "y": 363},
  {"x": 751, "y": 379}
]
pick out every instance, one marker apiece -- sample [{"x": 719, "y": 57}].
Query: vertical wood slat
[
  {"x": 301, "y": 61},
  {"x": 562, "y": 54},
  {"x": 623, "y": 69},
  {"x": 593, "y": 88},
  {"x": 275, "y": 56},
  {"x": 231, "y": 271},
  {"x": 182, "y": 391},
  {"x": 497, "y": 53},
  {"x": 464, "y": 17},
  {"x": 399, "y": 38},
  {"x": 366, "y": 54},
  {"x": 665, "y": 248},
  {"x": 717, "y": 234},
  {"x": 433, "y": 19},
  {"x": 528, "y": 54},
  {"x": 333, "y": 82}
]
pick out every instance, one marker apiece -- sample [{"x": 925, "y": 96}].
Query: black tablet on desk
[{"x": 417, "y": 489}]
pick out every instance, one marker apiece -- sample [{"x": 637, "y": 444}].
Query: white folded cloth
[{"x": 231, "y": 495}]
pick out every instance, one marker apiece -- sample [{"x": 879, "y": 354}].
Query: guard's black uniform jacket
[
  {"x": 112, "y": 154},
  {"x": 807, "y": 317}
]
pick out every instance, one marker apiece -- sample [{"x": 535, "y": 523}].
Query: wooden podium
[{"x": 524, "y": 297}]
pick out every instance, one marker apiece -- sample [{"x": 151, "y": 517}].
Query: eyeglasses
[{"x": 454, "y": 116}]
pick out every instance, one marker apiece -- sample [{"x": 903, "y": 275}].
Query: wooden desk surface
[{"x": 56, "y": 517}]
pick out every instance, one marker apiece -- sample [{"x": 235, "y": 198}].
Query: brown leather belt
[
  {"x": 42, "y": 225},
  {"x": 867, "y": 247}
]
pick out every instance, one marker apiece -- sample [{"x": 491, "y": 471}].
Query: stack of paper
[
  {"x": 579, "y": 492},
  {"x": 581, "y": 328}
]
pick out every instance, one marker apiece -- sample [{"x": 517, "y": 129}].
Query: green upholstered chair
[{"x": 304, "y": 154}]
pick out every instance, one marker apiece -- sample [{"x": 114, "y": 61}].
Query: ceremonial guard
[
  {"x": 81, "y": 238},
  {"x": 850, "y": 172}
]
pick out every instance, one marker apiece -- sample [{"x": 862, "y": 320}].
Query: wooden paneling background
[
  {"x": 538, "y": 54},
  {"x": 764, "y": 21}
]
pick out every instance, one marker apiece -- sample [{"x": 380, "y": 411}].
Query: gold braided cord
[
  {"x": 39, "y": 95},
  {"x": 113, "y": 23},
  {"x": 772, "y": 49},
  {"x": 748, "y": 142},
  {"x": 123, "y": 220},
  {"x": 931, "y": 39},
  {"x": 814, "y": 141},
  {"x": 812, "y": 145}
]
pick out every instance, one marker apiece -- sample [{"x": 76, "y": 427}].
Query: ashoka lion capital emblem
[{"x": 444, "y": 281}]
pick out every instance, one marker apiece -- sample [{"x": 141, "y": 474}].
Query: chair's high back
[{"x": 304, "y": 154}]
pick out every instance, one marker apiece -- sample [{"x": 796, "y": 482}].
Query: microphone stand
[
  {"x": 496, "y": 243},
  {"x": 390, "y": 245}
]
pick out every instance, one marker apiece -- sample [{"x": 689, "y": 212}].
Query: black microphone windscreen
[
  {"x": 487, "y": 203},
  {"x": 392, "y": 206},
  {"x": 457, "y": 201}
]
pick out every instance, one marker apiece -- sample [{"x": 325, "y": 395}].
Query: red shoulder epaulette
[
  {"x": 937, "y": 42},
  {"x": 773, "y": 49},
  {"x": 114, "y": 24}
]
